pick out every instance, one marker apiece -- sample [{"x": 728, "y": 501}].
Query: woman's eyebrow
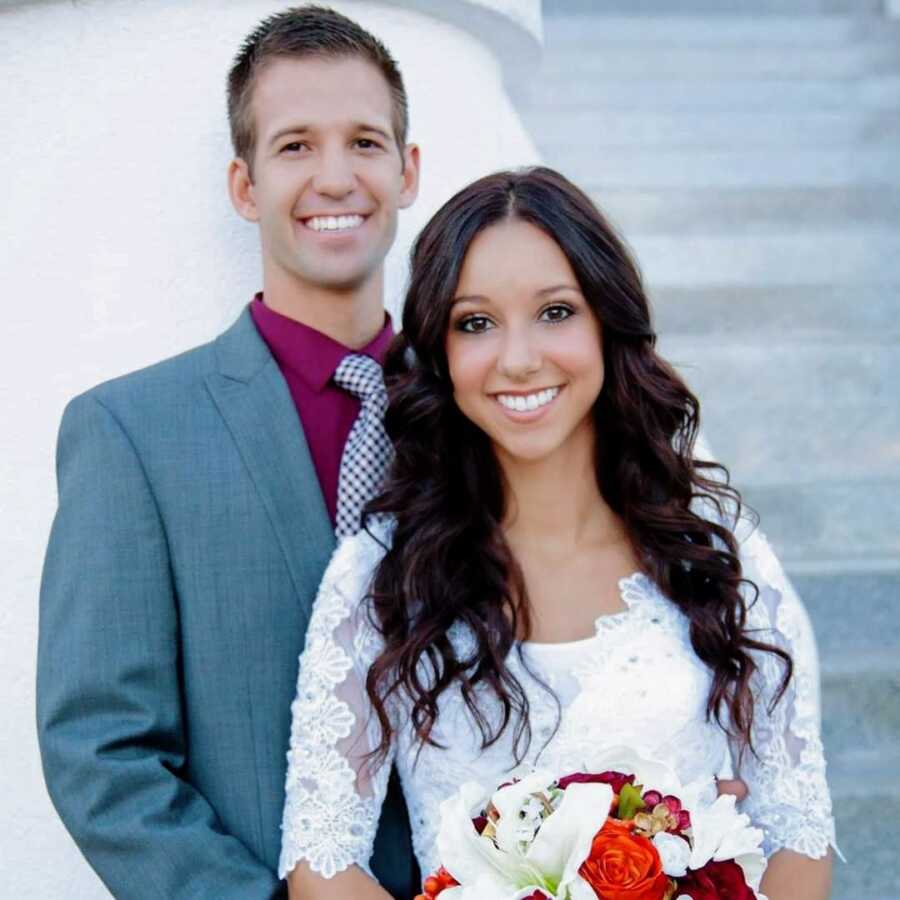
[
  {"x": 541, "y": 293},
  {"x": 470, "y": 298},
  {"x": 557, "y": 287}
]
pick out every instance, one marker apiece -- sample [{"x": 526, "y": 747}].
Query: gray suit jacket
[{"x": 183, "y": 562}]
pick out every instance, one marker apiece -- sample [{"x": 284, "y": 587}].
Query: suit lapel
[{"x": 253, "y": 399}]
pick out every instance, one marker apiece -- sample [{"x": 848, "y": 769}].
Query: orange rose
[
  {"x": 436, "y": 884},
  {"x": 624, "y": 866}
]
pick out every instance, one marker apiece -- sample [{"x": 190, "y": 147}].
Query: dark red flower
[
  {"x": 615, "y": 780},
  {"x": 673, "y": 803},
  {"x": 716, "y": 881}
]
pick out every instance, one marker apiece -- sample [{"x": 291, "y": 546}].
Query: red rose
[
  {"x": 623, "y": 865},
  {"x": 616, "y": 780},
  {"x": 716, "y": 881}
]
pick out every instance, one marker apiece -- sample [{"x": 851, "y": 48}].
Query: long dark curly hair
[{"x": 448, "y": 561}]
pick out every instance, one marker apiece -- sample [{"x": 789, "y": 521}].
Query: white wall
[{"x": 119, "y": 247}]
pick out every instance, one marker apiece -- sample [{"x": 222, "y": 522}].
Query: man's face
[{"x": 328, "y": 176}]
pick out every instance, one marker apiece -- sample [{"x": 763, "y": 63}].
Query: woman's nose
[{"x": 520, "y": 356}]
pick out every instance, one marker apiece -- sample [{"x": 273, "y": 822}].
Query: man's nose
[
  {"x": 334, "y": 176},
  {"x": 520, "y": 355}
]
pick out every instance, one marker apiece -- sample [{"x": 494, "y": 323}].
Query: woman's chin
[{"x": 523, "y": 452}]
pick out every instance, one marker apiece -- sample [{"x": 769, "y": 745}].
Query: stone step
[
  {"x": 773, "y": 314},
  {"x": 878, "y": 55},
  {"x": 854, "y": 615},
  {"x": 553, "y": 129},
  {"x": 852, "y": 773},
  {"x": 859, "y": 786},
  {"x": 602, "y": 168},
  {"x": 839, "y": 257},
  {"x": 836, "y": 524},
  {"x": 878, "y": 92},
  {"x": 861, "y": 709},
  {"x": 723, "y": 7},
  {"x": 590, "y": 32},
  {"x": 746, "y": 210},
  {"x": 871, "y": 871},
  {"x": 775, "y": 412}
]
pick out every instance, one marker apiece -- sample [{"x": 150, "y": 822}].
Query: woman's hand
[
  {"x": 792, "y": 876},
  {"x": 732, "y": 786},
  {"x": 304, "y": 884}
]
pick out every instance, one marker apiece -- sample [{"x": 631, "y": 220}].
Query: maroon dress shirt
[{"x": 308, "y": 360}]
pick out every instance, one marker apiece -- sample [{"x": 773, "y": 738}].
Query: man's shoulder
[
  {"x": 176, "y": 372},
  {"x": 175, "y": 380}
]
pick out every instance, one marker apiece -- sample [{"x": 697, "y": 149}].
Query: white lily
[
  {"x": 719, "y": 832},
  {"x": 674, "y": 853},
  {"x": 511, "y": 868},
  {"x": 648, "y": 772}
]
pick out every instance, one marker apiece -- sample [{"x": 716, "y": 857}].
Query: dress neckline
[{"x": 632, "y": 588}]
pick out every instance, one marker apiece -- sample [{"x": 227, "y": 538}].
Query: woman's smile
[{"x": 527, "y": 407}]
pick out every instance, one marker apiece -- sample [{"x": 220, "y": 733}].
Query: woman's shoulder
[{"x": 357, "y": 556}]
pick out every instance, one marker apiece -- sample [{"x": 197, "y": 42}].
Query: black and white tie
[{"x": 367, "y": 452}]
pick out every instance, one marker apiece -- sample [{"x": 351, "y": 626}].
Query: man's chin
[{"x": 343, "y": 281}]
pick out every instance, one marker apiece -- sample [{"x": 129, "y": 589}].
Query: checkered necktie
[{"x": 367, "y": 452}]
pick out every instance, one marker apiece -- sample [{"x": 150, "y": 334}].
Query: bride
[{"x": 549, "y": 569}]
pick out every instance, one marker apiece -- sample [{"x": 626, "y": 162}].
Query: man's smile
[{"x": 342, "y": 222}]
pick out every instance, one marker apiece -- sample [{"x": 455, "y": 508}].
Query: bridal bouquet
[{"x": 625, "y": 830}]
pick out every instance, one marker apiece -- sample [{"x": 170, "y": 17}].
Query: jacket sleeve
[{"x": 108, "y": 690}]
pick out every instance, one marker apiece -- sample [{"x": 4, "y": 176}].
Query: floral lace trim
[
  {"x": 326, "y": 822},
  {"x": 802, "y": 821}
]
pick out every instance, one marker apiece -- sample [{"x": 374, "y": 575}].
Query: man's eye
[
  {"x": 293, "y": 146},
  {"x": 474, "y": 324},
  {"x": 367, "y": 144},
  {"x": 557, "y": 313}
]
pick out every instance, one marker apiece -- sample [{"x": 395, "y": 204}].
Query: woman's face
[{"x": 523, "y": 346}]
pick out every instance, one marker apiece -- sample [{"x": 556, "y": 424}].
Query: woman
[{"x": 549, "y": 569}]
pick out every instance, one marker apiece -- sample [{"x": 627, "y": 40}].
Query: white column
[{"x": 120, "y": 248}]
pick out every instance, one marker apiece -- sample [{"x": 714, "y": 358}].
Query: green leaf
[{"x": 630, "y": 802}]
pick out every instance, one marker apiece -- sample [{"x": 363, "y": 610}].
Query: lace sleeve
[
  {"x": 789, "y": 797},
  {"x": 332, "y": 798}
]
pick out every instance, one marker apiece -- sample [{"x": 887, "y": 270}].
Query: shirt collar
[{"x": 307, "y": 352}]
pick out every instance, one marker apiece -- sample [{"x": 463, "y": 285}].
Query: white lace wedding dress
[{"x": 635, "y": 682}]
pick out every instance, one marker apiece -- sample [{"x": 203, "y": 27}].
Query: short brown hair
[{"x": 304, "y": 31}]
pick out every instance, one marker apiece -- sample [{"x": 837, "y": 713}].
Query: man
[{"x": 198, "y": 499}]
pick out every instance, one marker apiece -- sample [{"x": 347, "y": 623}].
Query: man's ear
[
  {"x": 411, "y": 169},
  {"x": 240, "y": 189}
]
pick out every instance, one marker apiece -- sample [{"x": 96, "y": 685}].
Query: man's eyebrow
[
  {"x": 306, "y": 129},
  {"x": 375, "y": 129},
  {"x": 290, "y": 129}
]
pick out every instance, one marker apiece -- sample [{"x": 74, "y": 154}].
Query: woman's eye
[
  {"x": 557, "y": 313},
  {"x": 474, "y": 324}
]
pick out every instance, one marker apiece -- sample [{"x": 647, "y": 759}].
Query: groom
[{"x": 198, "y": 498}]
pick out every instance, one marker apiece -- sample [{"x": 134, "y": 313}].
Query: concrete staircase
[{"x": 750, "y": 153}]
